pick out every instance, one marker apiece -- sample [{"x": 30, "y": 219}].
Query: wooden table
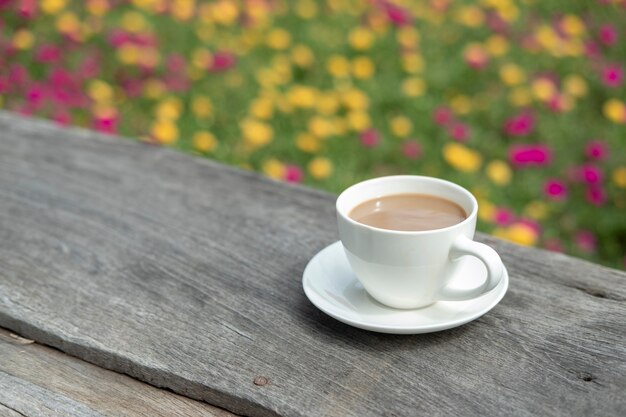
[{"x": 186, "y": 275}]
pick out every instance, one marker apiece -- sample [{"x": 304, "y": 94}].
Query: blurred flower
[
  {"x": 476, "y": 56},
  {"x": 338, "y": 66},
  {"x": 256, "y": 133},
  {"x": 555, "y": 189},
  {"x": 273, "y": 168},
  {"x": 461, "y": 158},
  {"x": 397, "y": 15},
  {"x": 327, "y": 103},
  {"x": 202, "y": 107},
  {"x": 619, "y": 176},
  {"x": 320, "y": 168},
  {"x": 512, "y": 74},
  {"x": 302, "y": 56},
  {"x": 412, "y": 63},
  {"x": 596, "y": 149},
  {"x": 302, "y": 96},
  {"x": 369, "y": 138},
  {"x": 222, "y": 61},
  {"x": 408, "y": 37},
  {"x": 521, "y": 124},
  {"x": 590, "y": 174},
  {"x": 320, "y": 127},
  {"x": 499, "y": 172},
  {"x": 503, "y": 216},
  {"x": 526, "y": 155},
  {"x": 537, "y": 210},
  {"x": 358, "y": 120},
  {"x": 459, "y": 131},
  {"x": 165, "y": 131},
  {"x": 293, "y": 173},
  {"x": 553, "y": 245},
  {"x": 497, "y": 45},
  {"x": 520, "y": 96},
  {"x": 362, "y": 67},
  {"x": 400, "y": 126},
  {"x": 204, "y": 141},
  {"x": 413, "y": 87},
  {"x": 585, "y": 241},
  {"x": 47, "y": 53},
  {"x": 575, "y": 85},
  {"x": 615, "y": 110},
  {"x": 361, "y": 38},
  {"x": 612, "y": 75},
  {"x": 442, "y": 116},
  {"x": 411, "y": 149},
  {"x": 307, "y": 142},
  {"x": 607, "y": 34},
  {"x": 572, "y": 25},
  {"x": 595, "y": 195},
  {"x": 52, "y": 6},
  {"x": 519, "y": 233},
  {"x": 543, "y": 89},
  {"x": 23, "y": 39},
  {"x": 471, "y": 16},
  {"x": 278, "y": 38}
]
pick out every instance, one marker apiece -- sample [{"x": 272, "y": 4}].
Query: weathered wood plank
[
  {"x": 186, "y": 274},
  {"x": 34, "y": 378}
]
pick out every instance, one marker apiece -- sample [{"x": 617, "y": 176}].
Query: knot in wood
[{"x": 260, "y": 381}]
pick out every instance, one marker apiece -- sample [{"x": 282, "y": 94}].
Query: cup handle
[{"x": 465, "y": 246}]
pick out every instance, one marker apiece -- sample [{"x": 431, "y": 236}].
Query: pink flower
[
  {"x": 442, "y": 116},
  {"x": 553, "y": 244},
  {"x": 293, "y": 173},
  {"x": 118, "y": 38},
  {"x": 590, "y": 174},
  {"x": 612, "y": 75},
  {"x": 35, "y": 95},
  {"x": 105, "y": 124},
  {"x": 411, "y": 149},
  {"x": 555, "y": 189},
  {"x": 397, "y": 15},
  {"x": 595, "y": 195},
  {"x": 17, "y": 74},
  {"x": 530, "y": 223},
  {"x": 27, "y": 8},
  {"x": 4, "y": 85},
  {"x": 596, "y": 149},
  {"x": 459, "y": 132},
  {"x": 177, "y": 84},
  {"x": 369, "y": 138},
  {"x": 496, "y": 23},
  {"x": 525, "y": 155},
  {"x": 592, "y": 50},
  {"x": 503, "y": 217},
  {"x": 476, "y": 57},
  {"x": 520, "y": 125},
  {"x": 222, "y": 61},
  {"x": 62, "y": 117},
  {"x": 585, "y": 241},
  {"x": 175, "y": 63},
  {"x": 47, "y": 53},
  {"x": 607, "y": 34}
]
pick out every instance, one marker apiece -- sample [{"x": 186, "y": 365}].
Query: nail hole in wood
[
  {"x": 260, "y": 381},
  {"x": 586, "y": 376}
]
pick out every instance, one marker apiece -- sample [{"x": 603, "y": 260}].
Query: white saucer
[{"x": 332, "y": 287}]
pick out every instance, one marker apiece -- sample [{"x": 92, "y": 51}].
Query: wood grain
[
  {"x": 38, "y": 381},
  {"x": 186, "y": 274}
]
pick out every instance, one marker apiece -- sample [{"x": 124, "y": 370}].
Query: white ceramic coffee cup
[{"x": 406, "y": 269}]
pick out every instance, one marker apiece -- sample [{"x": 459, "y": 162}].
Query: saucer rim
[{"x": 322, "y": 304}]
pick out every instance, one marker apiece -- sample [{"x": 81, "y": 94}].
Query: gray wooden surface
[
  {"x": 36, "y": 380},
  {"x": 186, "y": 274}
]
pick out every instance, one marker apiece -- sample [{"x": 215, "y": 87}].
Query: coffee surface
[{"x": 408, "y": 212}]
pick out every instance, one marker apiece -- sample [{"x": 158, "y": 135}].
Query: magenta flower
[
  {"x": 553, "y": 244},
  {"x": 442, "y": 116},
  {"x": 530, "y": 223},
  {"x": 118, "y": 38},
  {"x": 411, "y": 149},
  {"x": 27, "y": 8},
  {"x": 48, "y": 53},
  {"x": 596, "y": 149},
  {"x": 105, "y": 124},
  {"x": 17, "y": 74},
  {"x": 503, "y": 216},
  {"x": 585, "y": 241},
  {"x": 62, "y": 117},
  {"x": 175, "y": 63},
  {"x": 4, "y": 85},
  {"x": 595, "y": 195},
  {"x": 222, "y": 61},
  {"x": 612, "y": 75},
  {"x": 293, "y": 173},
  {"x": 590, "y": 174},
  {"x": 607, "y": 34},
  {"x": 555, "y": 189},
  {"x": 520, "y": 125},
  {"x": 35, "y": 95},
  {"x": 397, "y": 15},
  {"x": 369, "y": 138},
  {"x": 525, "y": 155},
  {"x": 459, "y": 132}
]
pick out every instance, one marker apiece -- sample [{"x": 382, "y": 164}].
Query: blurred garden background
[{"x": 520, "y": 101}]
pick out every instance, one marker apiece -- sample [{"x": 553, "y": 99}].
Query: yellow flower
[
  {"x": 327, "y": 103},
  {"x": 362, "y": 67},
  {"x": 461, "y": 104},
  {"x": 145, "y": 4},
  {"x": 486, "y": 210},
  {"x": 204, "y": 141},
  {"x": 97, "y": 7},
  {"x": 149, "y": 57},
  {"x": 169, "y": 109},
  {"x": 278, "y": 38},
  {"x": 615, "y": 110},
  {"x": 225, "y": 12},
  {"x": 154, "y": 88},
  {"x": 537, "y": 210},
  {"x": 462, "y": 158},
  {"x": 306, "y": 9},
  {"x": 133, "y": 22},
  {"x": 400, "y": 126},
  {"x": 340, "y": 126},
  {"x": 182, "y": 10},
  {"x": 128, "y": 54},
  {"x": 520, "y": 96},
  {"x": 547, "y": 37},
  {"x": 519, "y": 233},
  {"x": 338, "y": 66},
  {"x": 412, "y": 63},
  {"x": 302, "y": 56},
  {"x": 358, "y": 120},
  {"x": 321, "y": 127},
  {"x": 471, "y": 16},
  {"x": 165, "y": 131},
  {"x": 307, "y": 142},
  {"x": 201, "y": 58},
  {"x": 619, "y": 177},
  {"x": 262, "y": 108},
  {"x": 202, "y": 107},
  {"x": 499, "y": 172},
  {"x": 408, "y": 36},
  {"x": 512, "y": 74},
  {"x": 320, "y": 168},
  {"x": 302, "y": 96},
  {"x": 413, "y": 87},
  {"x": 361, "y": 38},
  {"x": 273, "y": 168},
  {"x": 543, "y": 89},
  {"x": 256, "y": 133},
  {"x": 575, "y": 85},
  {"x": 572, "y": 25},
  {"x": 99, "y": 91},
  {"x": 574, "y": 47},
  {"x": 67, "y": 23},
  {"x": 52, "y": 6},
  {"x": 355, "y": 99},
  {"x": 497, "y": 45},
  {"x": 23, "y": 39}
]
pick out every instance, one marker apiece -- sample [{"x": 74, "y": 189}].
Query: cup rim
[{"x": 469, "y": 218}]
